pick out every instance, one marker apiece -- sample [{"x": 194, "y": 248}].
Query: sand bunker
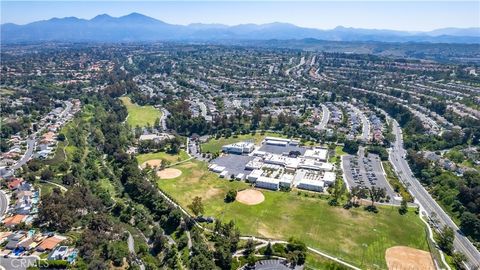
[
  {"x": 153, "y": 163},
  {"x": 403, "y": 258},
  {"x": 250, "y": 197},
  {"x": 169, "y": 173}
]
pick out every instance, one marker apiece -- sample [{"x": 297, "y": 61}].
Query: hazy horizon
[{"x": 391, "y": 15}]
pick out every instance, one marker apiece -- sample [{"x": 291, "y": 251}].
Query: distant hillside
[{"x": 138, "y": 27}]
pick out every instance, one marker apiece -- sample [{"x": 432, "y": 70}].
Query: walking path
[{"x": 62, "y": 188}]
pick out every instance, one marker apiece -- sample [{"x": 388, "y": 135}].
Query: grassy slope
[
  {"x": 140, "y": 115},
  {"x": 334, "y": 230},
  {"x": 162, "y": 155}
]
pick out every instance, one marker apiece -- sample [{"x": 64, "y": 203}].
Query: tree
[
  {"x": 251, "y": 261},
  {"x": 231, "y": 196},
  {"x": 470, "y": 224},
  {"x": 268, "y": 250},
  {"x": 171, "y": 259},
  {"x": 403, "y": 207},
  {"x": 46, "y": 175},
  {"x": 296, "y": 252},
  {"x": 61, "y": 137},
  {"x": 445, "y": 239},
  {"x": 116, "y": 252},
  {"x": 458, "y": 260},
  {"x": 196, "y": 206},
  {"x": 351, "y": 147},
  {"x": 376, "y": 194},
  {"x": 249, "y": 248}
]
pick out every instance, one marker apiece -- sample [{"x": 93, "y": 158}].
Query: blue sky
[{"x": 405, "y": 15}]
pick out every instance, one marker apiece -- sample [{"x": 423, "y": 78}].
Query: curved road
[
  {"x": 325, "y": 118},
  {"x": 3, "y": 203},
  {"x": 28, "y": 154},
  {"x": 427, "y": 203}
]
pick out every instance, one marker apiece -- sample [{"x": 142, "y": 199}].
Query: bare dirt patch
[
  {"x": 403, "y": 258},
  {"x": 250, "y": 197},
  {"x": 154, "y": 163},
  {"x": 169, "y": 173},
  {"x": 212, "y": 193}
]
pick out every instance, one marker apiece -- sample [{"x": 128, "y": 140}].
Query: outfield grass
[
  {"x": 215, "y": 145},
  {"x": 354, "y": 235},
  {"x": 182, "y": 155},
  {"x": 140, "y": 115},
  {"x": 317, "y": 262}
]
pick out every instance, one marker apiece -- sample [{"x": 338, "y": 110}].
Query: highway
[{"x": 397, "y": 157}]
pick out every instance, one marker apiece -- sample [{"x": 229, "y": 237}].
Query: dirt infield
[
  {"x": 250, "y": 197},
  {"x": 169, "y": 173},
  {"x": 153, "y": 163},
  {"x": 403, "y": 258}
]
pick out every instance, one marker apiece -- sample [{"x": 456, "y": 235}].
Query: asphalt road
[
  {"x": 365, "y": 123},
  {"x": 163, "y": 119},
  {"x": 3, "y": 203},
  {"x": 28, "y": 154},
  {"x": 20, "y": 263},
  {"x": 325, "y": 117},
  {"x": 427, "y": 203}
]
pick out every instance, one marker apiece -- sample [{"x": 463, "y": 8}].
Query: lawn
[
  {"x": 354, "y": 235},
  {"x": 317, "y": 262},
  {"x": 338, "y": 153},
  {"x": 46, "y": 188},
  {"x": 140, "y": 115},
  {"x": 215, "y": 145},
  {"x": 162, "y": 155}
]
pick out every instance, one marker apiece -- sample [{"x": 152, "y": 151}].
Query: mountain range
[{"x": 136, "y": 27}]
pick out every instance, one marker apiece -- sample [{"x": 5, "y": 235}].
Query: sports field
[
  {"x": 182, "y": 155},
  {"x": 354, "y": 235},
  {"x": 140, "y": 115}
]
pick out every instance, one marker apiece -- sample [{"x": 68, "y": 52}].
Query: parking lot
[
  {"x": 273, "y": 264},
  {"x": 234, "y": 164},
  {"x": 277, "y": 149},
  {"x": 366, "y": 172}
]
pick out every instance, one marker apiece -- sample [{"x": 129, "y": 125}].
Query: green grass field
[
  {"x": 215, "y": 145},
  {"x": 338, "y": 153},
  {"x": 354, "y": 235},
  {"x": 140, "y": 115},
  {"x": 162, "y": 155}
]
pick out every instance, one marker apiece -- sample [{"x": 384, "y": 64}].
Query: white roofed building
[
  {"x": 254, "y": 175},
  {"x": 329, "y": 178},
  {"x": 239, "y": 148},
  {"x": 320, "y": 154},
  {"x": 280, "y": 141},
  {"x": 312, "y": 185},
  {"x": 267, "y": 183},
  {"x": 286, "y": 180}
]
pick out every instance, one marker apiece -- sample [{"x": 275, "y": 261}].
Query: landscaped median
[{"x": 354, "y": 235}]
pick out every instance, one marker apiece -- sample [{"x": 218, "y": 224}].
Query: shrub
[{"x": 231, "y": 195}]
